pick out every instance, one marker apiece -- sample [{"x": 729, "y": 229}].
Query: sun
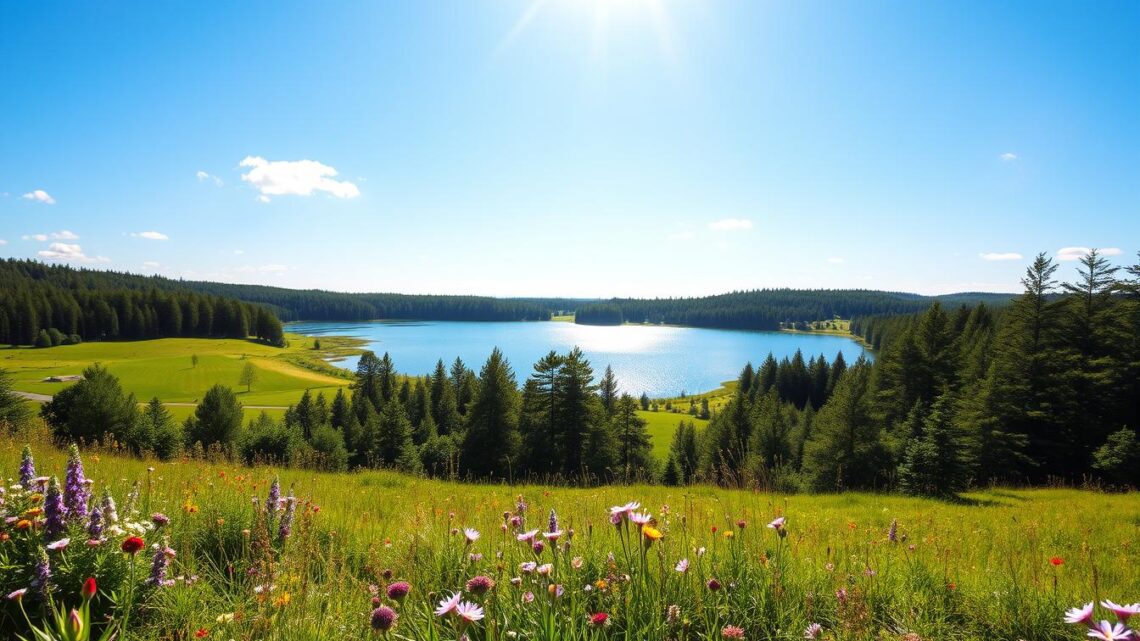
[{"x": 603, "y": 15}]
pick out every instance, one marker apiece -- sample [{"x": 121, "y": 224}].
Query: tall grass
[{"x": 996, "y": 565}]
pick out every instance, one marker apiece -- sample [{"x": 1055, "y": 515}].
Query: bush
[{"x": 1119, "y": 458}]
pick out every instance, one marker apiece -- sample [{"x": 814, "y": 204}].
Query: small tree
[
  {"x": 316, "y": 343},
  {"x": 194, "y": 360},
  {"x": 248, "y": 376},
  {"x": 1119, "y": 458}
]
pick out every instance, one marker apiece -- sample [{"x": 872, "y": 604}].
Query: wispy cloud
[
  {"x": 731, "y": 224},
  {"x": 151, "y": 264},
  {"x": 39, "y": 196},
  {"x": 55, "y": 235},
  {"x": 1008, "y": 156},
  {"x": 70, "y": 253},
  {"x": 1077, "y": 253},
  {"x": 204, "y": 176},
  {"x": 996, "y": 256},
  {"x": 3, "y": 242},
  {"x": 294, "y": 177},
  {"x": 150, "y": 235}
]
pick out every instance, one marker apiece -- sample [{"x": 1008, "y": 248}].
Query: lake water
[{"x": 660, "y": 361}]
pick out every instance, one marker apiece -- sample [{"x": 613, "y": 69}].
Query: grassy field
[
  {"x": 164, "y": 368},
  {"x": 999, "y": 565},
  {"x": 661, "y": 424}
]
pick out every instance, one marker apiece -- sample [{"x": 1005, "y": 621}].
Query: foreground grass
[
  {"x": 978, "y": 569},
  {"x": 164, "y": 367}
]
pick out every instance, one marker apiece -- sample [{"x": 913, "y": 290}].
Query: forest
[
  {"x": 47, "y": 305},
  {"x": 1046, "y": 389}
]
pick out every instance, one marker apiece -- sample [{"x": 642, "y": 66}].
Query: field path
[{"x": 44, "y": 398}]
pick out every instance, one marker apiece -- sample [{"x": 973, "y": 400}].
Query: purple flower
[
  {"x": 813, "y": 631},
  {"x": 682, "y": 566},
  {"x": 553, "y": 521},
  {"x": 41, "y": 582},
  {"x": 480, "y": 584},
  {"x": 286, "y": 526},
  {"x": 56, "y": 546},
  {"x": 1082, "y": 615},
  {"x": 713, "y": 585},
  {"x": 272, "y": 502},
  {"x": 893, "y": 533},
  {"x": 777, "y": 524},
  {"x": 398, "y": 590},
  {"x": 470, "y": 534},
  {"x": 159, "y": 565},
  {"x": 528, "y": 537},
  {"x": 448, "y": 605},
  {"x": 95, "y": 522},
  {"x": 110, "y": 514},
  {"x": 384, "y": 618},
  {"x": 1106, "y": 631},
  {"x": 159, "y": 519},
  {"x": 75, "y": 486},
  {"x": 1122, "y": 612},
  {"x": 27, "y": 468},
  {"x": 520, "y": 505},
  {"x": 537, "y": 546},
  {"x": 54, "y": 511}
]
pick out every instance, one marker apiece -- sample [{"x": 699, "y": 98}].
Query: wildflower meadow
[{"x": 97, "y": 546}]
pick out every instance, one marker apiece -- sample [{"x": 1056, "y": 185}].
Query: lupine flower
[
  {"x": 42, "y": 579},
  {"x": 285, "y": 528},
  {"x": 110, "y": 514},
  {"x": 468, "y": 612},
  {"x": 54, "y": 510},
  {"x": 520, "y": 505},
  {"x": 1122, "y": 612},
  {"x": 159, "y": 565},
  {"x": 471, "y": 535},
  {"x": 95, "y": 523},
  {"x": 553, "y": 524},
  {"x": 398, "y": 590},
  {"x": 813, "y": 631},
  {"x": 448, "y": 605},
  {"x": 27, "y": 468},
  {"x": 56, "y": 546},
  {"x": 893, "y": 532},
  {"x": 480, "y": 584},
  {"x": 732, "y": 632},
  {"x": 75, "y": 488},
  {"x": 273, "y": 501},
  {"x": 599, "y": 619},
  {"x": 1106, "y": 631},
  {"x": 682, "y": 566},
  {"x": 384, "y": 618}
]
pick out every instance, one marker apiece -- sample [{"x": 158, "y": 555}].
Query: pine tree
[
  {"x": 93, "y": 409},
  {"x": 844, "y": 450},
  {"x": 934, "y": 462},
  {"x": 632, "y": 440},
  {"x": 217, "y": 419},
  {"x": 393, "y": 445},
  {"x": 14, "y": 411},
  {"x": 491, "y": 443},
  {"x": 608, "y": 390}
]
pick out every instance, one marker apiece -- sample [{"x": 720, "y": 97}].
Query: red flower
[
  {"x": 133, "y": 544},
  {"x": 201, "y": 632},
  {"x": 89, "y": 588},
  {"x": 1057, "y": 561},
  {"x": 599, "y": 619}
]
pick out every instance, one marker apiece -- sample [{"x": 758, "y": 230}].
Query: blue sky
[{"x": 571, "y": 147}]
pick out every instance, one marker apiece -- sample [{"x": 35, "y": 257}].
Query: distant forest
[{"x": 45, "y": 305}]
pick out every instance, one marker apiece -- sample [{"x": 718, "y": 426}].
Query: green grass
[
  {"x": 163, "y": 367},
  {"x": 661, "y": 424},
  {"x": 964, "y": 571}
]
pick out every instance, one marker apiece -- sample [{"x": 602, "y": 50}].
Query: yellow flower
[
  {"x": 282, "y": 600},
  {"x": 651, "y": 533},
  {"x": 601, "y": 585},
  {"x": 35, "y": 511},
  {"x": 23, "y": 524},
  {"x": 728, "y": 534}
]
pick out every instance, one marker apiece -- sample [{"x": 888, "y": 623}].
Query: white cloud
[
  {"x": 150, "y": 235},
  {"x": 294, "y": 177},
  {"x": 150, "y": 264},
  {"x": 261, "y": 269},
  {"x": 39, "y": 195},
  {"x": 202, "y": 176},
  {"x": 3, "y": 242},
  {"x": 55, "y": 235},
  {"x": 731, "y": 224},
  {"x": 1000, "y": 256},
  {"x": 1008, "y": 156},
  {"x": 835, "y": 260},
  {"x": 1077, "y": 253},
  {"x": 70, "y": 253}
]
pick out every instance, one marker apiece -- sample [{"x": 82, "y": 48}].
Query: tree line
[{"x": 46, "y": 305}]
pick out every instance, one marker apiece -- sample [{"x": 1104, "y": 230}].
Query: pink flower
[
  {"x": 545, "y": 569},
  {"x": 528, "y": 536},
  {"x": 528, "y": 567},
  {"x": 471, "y": 534},
  {"x": 56, "y": 546},
  {"x": 626, "y": 509},
  {"x": 732, "y": 632},
  {"x": 528, "y": 597},
  {"x": 1122, "y": 612},
  {"x": 1106, "y": 631},
  {"x": 682, "y": 566},
  {"x": 552, "y": 536},
  {"x": 813, "y": 631},
  {"x": 17, "y": 595},
  {"x": 448, "y": 605},
  {"x": 640, "y": 518},
  {"x": 777, "y": 523},
  {"x": 468, "y": 612},
  {"x": 1082, "y": 615}
]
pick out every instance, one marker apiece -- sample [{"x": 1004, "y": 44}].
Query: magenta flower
[
  {"x": 384, "y": 618},
  {"x": 1106, "y": 631},
  {"x": 480, "y": 584},
  {"x": 624, "y": 510},
  {"x": 777, "y": 523},
  {"x": 1122, "y": 612},
  {"x": 1082, "y": 615},
  {"x": 448, "y": 605},
  {"x": 640, "y": 518},
  {"x": 468, "y": 612},
  {"x": 528, "y": 536},
  {"x": 17, "y": 594},
  {"x": 56, "y": 546},
  {"x": 398, "y": 590}
]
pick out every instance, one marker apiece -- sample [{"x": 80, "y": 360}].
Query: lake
[{"x": 660, "y": 361}]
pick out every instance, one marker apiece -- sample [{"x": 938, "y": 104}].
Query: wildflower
[
  {"x": 1106, "y": 631},
  {"x": 777, "y": 524},
  {"x": 448, "y": 605},
  {"x": 640, "y": 518},
  {"x": 615, "y": 519},
  {"x": 159, "y": 519},
  {"x": 713, "y": 585},
  {"x": 651, "y": 534},
  {"x": 701, "y": 551},
  {"x": 576, "y": 563},
  {"x": 516, "y": 581},
  {"x": 1083, "y": 614},
  {"x": 480, "y": 584},
  {"x": 110, "y": 514},
  {"x": 273, "y": 501},
  {"x": 384, "y": 618},
  {"x": 54, "y": 510},
  {"x": 95, "y": 522},
  {"x": 285, "y": 528},
  {"x": 893, "y": 532},
  {"x": 528, "y": 537},
  {"x": 75, "y": 486},
  {"x": 599, "y": 619},
  {"x": 624, "y": 510},
  {"x": 159, "y": 565},
  {"x": 468, "y": 612},
  {"x": 538, "y": 547},
  {"x": 282, "y": 600},
  {"x": 133, "y": 545},
  {"x": 74, "y": 624},
  {"x": 552, "y": 536},
  {"x": 398, "y": 590},
  {"x": 23, "y": 524},
  {"x": 545, "y": 569},
  {"x": 471, "y": 535},
  {"x": 42, "y": 577},
  {"x": 89, "y": 588},
  {"x": 740, "y": 524},
  {"x": 673, "y": 614},
  {"x": 227, "y": 617},
  {"x": 528, "y": 597},
  {"x": 201, "y": 633},
  {"x": 841, "y": 596},
  {"x": 682, "y": 566},
  {"x": 553, "y": 524},
  {"x": 17, "y": 595},
  {"x": 516, "y": 522},
  {"x": 56, "y": 546},
  {"x": 520, "y": 505},
  {"x": 555, "y": 590},
  {"x": 1057, "y": 561},
  {"x": 732, "y": 632},
  {"x": 1122, "y": 612},
  {"x": 527, "y": 567},
  {"x": 728, "y": 534},
  {"x": 27, "y": 468},
  {"x": 813, "y": 631}
]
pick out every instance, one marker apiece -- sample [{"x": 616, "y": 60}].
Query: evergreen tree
[
  {"x": 393, "y": 446},
  {"x": 538, "y": 422},
  {"x": 14, "y": 411},
  {"x": 93, "y": 409},
  {"x": 217, "y": 419},
  {"x": 492, "y": 441},
  {"x": 158, "y": 432},
  {"x": 934, "y": 462},
  {"x": 608, "y": 390},
  {"x": 632, "y": 440},
  {"x": 844, "y": 450},
  {"x": 368, "y": 383}
]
